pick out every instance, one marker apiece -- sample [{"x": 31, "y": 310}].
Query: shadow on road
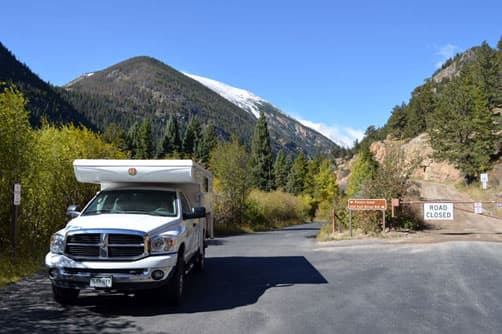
[
  {"x": 227, "y": 282},
  {"x": 27, "y": 307}
]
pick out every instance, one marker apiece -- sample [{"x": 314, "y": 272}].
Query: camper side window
[{"x": 184, "y": 204}]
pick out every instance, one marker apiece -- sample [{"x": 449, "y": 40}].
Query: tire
[
  {"x": 65, "y": 296},
  {"x": 176, "y": 286},
  {"x": 200, "y": 262}
]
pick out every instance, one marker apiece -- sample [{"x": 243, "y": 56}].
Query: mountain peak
[
  {"x": 277, "y": 119},
  {"x": 240, "y": 97}
]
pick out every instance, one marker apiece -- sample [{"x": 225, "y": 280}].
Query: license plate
[{"x": 101, "y": 282}]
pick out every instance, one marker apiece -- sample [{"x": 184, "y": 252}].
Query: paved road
[{"x": 285, "y": 282}]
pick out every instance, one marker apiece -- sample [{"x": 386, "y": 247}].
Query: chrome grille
[{"x": 105, "y": 246}]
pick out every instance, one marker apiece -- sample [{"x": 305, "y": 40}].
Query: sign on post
[
  {"x": 361, "y": 204},
  {"x": 367, "y": 204},
  {"x": 438, "y": 211},
  {"x": 483, "y": 177},
  {"x": 478, "y": 208},
  {"x": 17, "y": 194}
]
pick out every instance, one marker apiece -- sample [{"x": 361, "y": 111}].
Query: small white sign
[
  {"x": 438, "y": 211},
  {"x": 17, "y": 194},
  {"x": 478, "y": 208},
  {"x": 484, "y": 185},
  {"x": 483, "y": 177}
]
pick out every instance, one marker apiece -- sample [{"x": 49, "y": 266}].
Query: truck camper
[{"x": 144, "y": 230}]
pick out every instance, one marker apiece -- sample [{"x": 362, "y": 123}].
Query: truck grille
[{"x": 105, "y": 246}]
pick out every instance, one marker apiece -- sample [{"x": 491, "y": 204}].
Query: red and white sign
[
  {"x": 478, "y": 208},
  {"x": 438, "y": 211}
]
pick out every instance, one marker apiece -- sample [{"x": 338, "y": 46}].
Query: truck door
[{"x": 191, "y": 240}]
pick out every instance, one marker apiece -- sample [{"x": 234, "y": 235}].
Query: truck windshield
[{"x": 134, "y": 201}]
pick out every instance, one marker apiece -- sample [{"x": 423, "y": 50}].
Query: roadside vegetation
[
  {"x": 253, "y": 190},
  {"x": 41, "y": 160},
  {"x": 369, "y": 179}
]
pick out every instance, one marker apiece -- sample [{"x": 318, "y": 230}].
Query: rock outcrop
[{"x": 428, "y": 169}]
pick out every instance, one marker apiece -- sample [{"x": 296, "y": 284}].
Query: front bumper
[{"x": 131, "y": 275}]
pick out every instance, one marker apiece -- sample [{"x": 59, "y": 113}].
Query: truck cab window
[{"x": 184, "y": 204}]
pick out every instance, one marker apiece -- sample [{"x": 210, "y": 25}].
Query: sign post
[
  {"x": 395, "y": 203},
  {"x": 478, "y": 208},
  {"x": 483, "y": 177},
  {"x": 16, "y": 202},
  {"x": 359, "y": 204}
]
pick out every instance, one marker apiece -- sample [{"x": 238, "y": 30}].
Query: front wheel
[
  {"x": 65, "y": 296},
  {"x": 176, "y": 286}
]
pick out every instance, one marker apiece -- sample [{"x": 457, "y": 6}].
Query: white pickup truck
[{"x": 145, "y": 229}]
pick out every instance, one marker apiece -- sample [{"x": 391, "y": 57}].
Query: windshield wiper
[{"x": 96, "y": 212}]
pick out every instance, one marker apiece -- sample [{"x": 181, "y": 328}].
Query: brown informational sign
[{"x": 367, "y": 204}]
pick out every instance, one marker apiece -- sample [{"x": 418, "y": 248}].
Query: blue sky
[{"x": 341, "y": 65}]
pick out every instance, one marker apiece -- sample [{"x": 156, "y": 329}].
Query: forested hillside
[
  {"x": 44, "y": 101},
  {"x": 143, "y": 87},
  {"x": 460, "y": 107}
]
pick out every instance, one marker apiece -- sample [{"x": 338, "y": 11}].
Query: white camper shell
[
  {"x": 134, "y": 243},
  {"x": 195, "y": 181}
]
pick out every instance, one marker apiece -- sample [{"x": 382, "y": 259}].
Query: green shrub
[
  {"x": 266, "y": 210},
  {"x": 325, "y": 212}
]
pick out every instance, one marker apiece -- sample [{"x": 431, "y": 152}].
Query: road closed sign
[{"x": 438, "y": 211}]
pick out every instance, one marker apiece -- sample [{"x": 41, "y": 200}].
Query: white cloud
[
  {"x": 342, "y": 136},
  {"x": 446, "y": 52}
]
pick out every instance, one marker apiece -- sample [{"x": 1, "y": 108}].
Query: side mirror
[
  {"x": 73, "y": 211},
  {"x": 199, "y": 212}
]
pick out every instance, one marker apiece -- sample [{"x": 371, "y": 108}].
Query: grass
[
  {"x": 476, "y": 193},
  {"x": 326, "y": 234},
  {"x": 222, "y": 229},
  {"x": 24, "y": 266}
]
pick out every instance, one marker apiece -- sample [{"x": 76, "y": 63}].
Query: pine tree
[
  {"x": 261, "y": 156},
  {"x": 191, "y": 137},
  {"x": 486, "y": 73},
  {"x": 171, "y": 142},
  {"x": 281, "y": 171},
  {"x": 296, "y": 178},
  {"x": 207, "y": 143},
  {"x": 115, "y": 135},
  {"x": 133, "y": 139},
  {"x": 309, "y": 181},
  {"x": 463, "y": 130},
  {"x": 397, "y": 121},
  {"x": 364, "y": 169},
  {"x": 145, "y": 147},
  {"x": 421, "y": 105}
]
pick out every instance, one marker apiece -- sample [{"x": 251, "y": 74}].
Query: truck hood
[{"x": 136, "y": 222}]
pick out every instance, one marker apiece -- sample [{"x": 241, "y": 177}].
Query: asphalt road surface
[{"x": 285, "y": 282}]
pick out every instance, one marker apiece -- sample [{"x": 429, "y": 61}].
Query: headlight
[
  {"x": 57, "y": 243},
  {"x": 162, "y": 244}
]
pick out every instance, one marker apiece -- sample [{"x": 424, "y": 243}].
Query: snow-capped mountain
[
  {"x": 285, "y": 125},
  {"x": 240, "y": 97},
  {"x": 144, "y": 87}
]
